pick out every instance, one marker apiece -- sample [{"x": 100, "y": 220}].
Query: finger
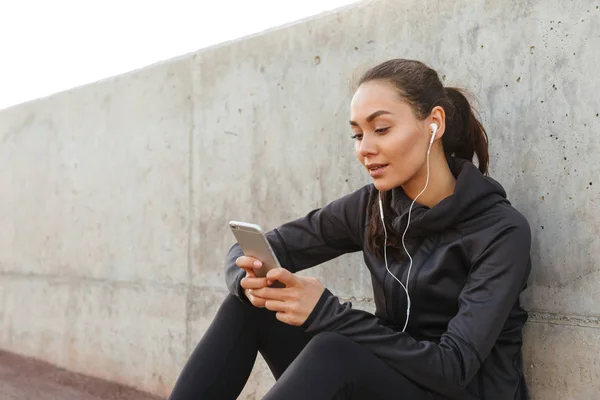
[
  {"x": 250, "y": 272},
  {"x": 255, "y": 300},
  {"x": 248, "y": 262},
  {"x": 253, "y": 283},
  {"x": 282, "y": 275},
  {"x": 279, "y": 294},
  {"x": 276, "y": 305}
]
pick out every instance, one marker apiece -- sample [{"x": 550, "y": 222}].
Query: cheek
[
  {"x": 402, "y": 144},
  {"x": 404, "y": 150}
]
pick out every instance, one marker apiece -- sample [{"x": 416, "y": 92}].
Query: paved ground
[{"x": 25, "y": 379}]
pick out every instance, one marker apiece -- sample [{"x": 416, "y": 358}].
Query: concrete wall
[{"x": 115, "y": 196}]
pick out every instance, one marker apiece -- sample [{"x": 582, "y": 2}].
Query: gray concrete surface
[{"x": 116, "y": 195}]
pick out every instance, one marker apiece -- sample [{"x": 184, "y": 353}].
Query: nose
[{"x": 366, "y": 146}]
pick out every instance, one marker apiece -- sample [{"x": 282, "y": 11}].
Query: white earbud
[{"x": 434, "y": 129}]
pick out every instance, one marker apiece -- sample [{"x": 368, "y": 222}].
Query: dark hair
[{"x": 421, "y": 88}]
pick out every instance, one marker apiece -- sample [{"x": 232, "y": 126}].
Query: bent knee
[
  {"x": 232, "y": 305},
  {"x": 331, "y": 342}
]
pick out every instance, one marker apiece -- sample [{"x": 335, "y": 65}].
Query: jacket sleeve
[
  {"x": 323, "y": 234},
  {"x": 495, "y": 282}
]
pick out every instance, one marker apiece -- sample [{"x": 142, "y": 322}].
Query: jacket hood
[{"x": 474, "y": 193}]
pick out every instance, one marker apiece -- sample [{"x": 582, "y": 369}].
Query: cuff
[
  {"x": 240, "y": 291},
  {"x": 318, "y": 308}
]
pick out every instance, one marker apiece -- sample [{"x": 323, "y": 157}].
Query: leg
[
  {"x": 221, "y": 363},
  {"x": 279, "y": 343},
  {"x": 334, "y": 367},
  {"x": 223, "y": 359}
]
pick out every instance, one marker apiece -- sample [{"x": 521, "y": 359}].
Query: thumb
[{"x": 282, "y": 275}]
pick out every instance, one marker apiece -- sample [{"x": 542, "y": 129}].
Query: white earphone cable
[{"x": 405, "y": 287}]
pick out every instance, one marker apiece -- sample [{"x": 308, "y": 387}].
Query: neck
[{"x": 441, "y": 181}]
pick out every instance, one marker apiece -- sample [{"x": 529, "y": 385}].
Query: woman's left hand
[{"x": 294, "y": 303}]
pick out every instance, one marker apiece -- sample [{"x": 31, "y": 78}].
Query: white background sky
[{"x": 48, "y": 46}]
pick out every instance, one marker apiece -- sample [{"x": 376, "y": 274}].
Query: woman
[{"x": 448, "y": 323}]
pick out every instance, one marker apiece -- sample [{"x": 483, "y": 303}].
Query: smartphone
[{"x": 253, "y": 243}]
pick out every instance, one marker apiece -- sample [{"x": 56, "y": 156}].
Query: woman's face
[{"x": 391, "y": 143}]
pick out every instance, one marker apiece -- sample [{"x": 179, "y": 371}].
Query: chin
[
  {"x": 386, "y": 183},
  {"x": 383, "y": 185}
]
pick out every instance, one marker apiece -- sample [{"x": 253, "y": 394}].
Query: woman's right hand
[{"x": 250, "y": 281}]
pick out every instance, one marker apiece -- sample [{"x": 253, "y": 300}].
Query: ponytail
[{"x": 465, "y": 136}]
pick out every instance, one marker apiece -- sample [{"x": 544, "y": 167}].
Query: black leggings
[{"x": 323, "y": 367}]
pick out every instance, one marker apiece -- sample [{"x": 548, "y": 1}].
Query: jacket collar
[{"x": 473, "y": 194}]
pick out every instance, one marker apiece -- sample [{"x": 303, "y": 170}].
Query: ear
[{"x": 438, "y": 117}]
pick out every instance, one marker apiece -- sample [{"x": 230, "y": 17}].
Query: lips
[
  {"x": 375, "y": 166},
  {"x": 376, "y": 170}
]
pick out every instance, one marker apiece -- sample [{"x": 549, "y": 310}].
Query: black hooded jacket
[{"x": 464, "y": 335}]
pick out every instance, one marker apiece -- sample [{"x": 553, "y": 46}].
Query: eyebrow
[{"x": 372, "y": 116}]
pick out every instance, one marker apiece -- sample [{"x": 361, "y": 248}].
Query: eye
[
  {"x": 382, "y": 130},
  {"x": 357, "y": 136}
]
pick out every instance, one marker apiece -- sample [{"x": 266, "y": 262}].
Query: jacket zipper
[
  {"x": 388, "y": 310},
  {"x": 398, "y": 289},
  {"x": 402, "y": 273}
]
